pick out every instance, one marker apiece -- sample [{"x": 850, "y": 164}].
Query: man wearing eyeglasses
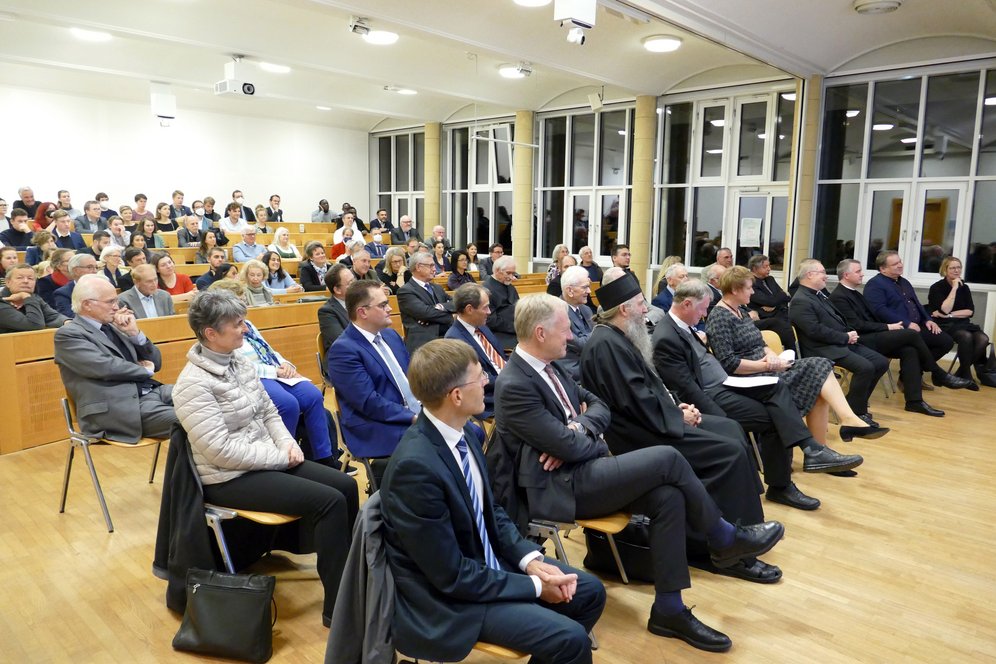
[
  {"x": 367, "y": 365},
  {"x": 473, "y": 304},
  {"x": 80, "y": 265},
  {"x": 426, "y": 309},
  {"x": 107, "y": 365}
]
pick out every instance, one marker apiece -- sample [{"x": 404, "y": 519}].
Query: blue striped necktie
[{"x": 489, "y": 554}]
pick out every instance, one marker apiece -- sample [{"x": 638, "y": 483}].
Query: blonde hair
[{"x": 252, "y": 264}]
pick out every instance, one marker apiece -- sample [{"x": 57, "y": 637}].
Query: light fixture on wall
[
  {"x": 400, "y": 90},
  {"x": 876, "y": 6},
  {"x": 661, "y": 43},
  {"x": 358, "y": 26},
  {"x": 520, "y": 70}
]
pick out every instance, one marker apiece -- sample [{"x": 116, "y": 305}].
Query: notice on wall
[{"x": 750, "y": 232}]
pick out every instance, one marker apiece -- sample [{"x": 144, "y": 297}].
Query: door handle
[
  {"x": 902, "y": 236},
  {"x": 916, "y": 234}
]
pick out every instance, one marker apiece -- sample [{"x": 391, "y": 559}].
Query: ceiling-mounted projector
[{"x": 231, "y": 85}]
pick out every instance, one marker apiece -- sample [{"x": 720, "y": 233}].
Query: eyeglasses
[
  {"x": 88, "y": 268},
  {"x": 482, "y": 381},
  {"x": 112, "y": 303},
  {"x": 380, "y": 305}
]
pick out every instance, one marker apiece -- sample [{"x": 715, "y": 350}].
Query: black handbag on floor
[
  {"x": 633, "y": 543},
  {"x": 228, "y": 615}
]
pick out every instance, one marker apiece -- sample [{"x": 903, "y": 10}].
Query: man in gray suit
[
  {"x": 107, "y": 365},
  {"x": 426, "y": 309},
  {"x": 145, "y": 299},
  {"x": 503, "y": 300},
  {"x": 20, "y": 309},
  {"x": 576, "y": 286}
]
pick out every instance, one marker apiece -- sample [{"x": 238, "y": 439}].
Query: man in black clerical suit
[
  {"x": 617, "y": 365},
  {"x": 823, "y": 332},
  {"x": 769, "y": 302},
  {"x": 332, "y": 317},
  {"x": 682, "y": 361},
  {"x": 891, "y": 340},
  {"x": 553, "y": 429},
  {"x": 462, "y": 571}
]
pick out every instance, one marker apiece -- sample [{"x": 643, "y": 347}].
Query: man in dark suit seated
[
  {"x": 576, "y": 285},
  {"x": 893, "y": 300},
  {"x": 617, "y": 366},
  {"x": 823, "y": 332},
  {"x": 503, "y": 300},
  {"x": 486, "y": 265},
  {"x": 405, "y": 231},
  {"x": 711, "y": 274},
  {"x": 215, "y": 258},
  {"x": 473, "y": 304},
  {"x": 554, "y": 429},
  {"x": 426, "y": 309},
  {"x": 367, "y": 366},
  {"x": 462, "y": 571},
  {"x": 891, "y": 340},
  {"x": 769, "y": 302},
  {"x": 684, "y": 363},
  {"x": 46, "y": 286},
  {"x": 20, "y": 309},
  {"x": 80, "y": 265},
  {"x": 19, "y": 234},
  {"x": 380, "y": 221},
  {"x": 107, "y": 365},
  {"x": 332, "y": 317},
  {"x": 66, "y": 238}
]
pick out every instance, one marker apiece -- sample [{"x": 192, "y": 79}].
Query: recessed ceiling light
[
  {"x": 717, "y": 151},
  {"x": 661, "y": 43},
  {"x": 990, "y": 101},
  {"x": 717, "y": 123},
  {"x": 852, "y": 113},
  {"x": 883, "y": 126},
  {"x": 532, "y": 3},
  {"x": 876, "y": 6},
  {"x": 274, "y": 69},
  {"x": 399, "y": 90},
  {"x": 788, "y": 96},
  {"x": 91, "y": 35},
  {"x": 380, "y": 37},
  {"x": 908, "y": 139},
  {"x": 324, "y": 108}
]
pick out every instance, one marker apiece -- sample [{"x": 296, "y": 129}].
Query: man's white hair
[
  {"x": 573, "y": 276},
  {"x": 86, "y": 289}
]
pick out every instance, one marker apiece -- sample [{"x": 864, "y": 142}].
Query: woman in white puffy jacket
[{"x": 243, "y": 453}]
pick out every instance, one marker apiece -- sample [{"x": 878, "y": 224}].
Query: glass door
[
  {"x": 939, "y": 215},
  {"x": 758, "y": 226},
  {"x": 580, "y": 220},
  {"x": 607, "y": 231},
  {"x": 885, "y": 217}
]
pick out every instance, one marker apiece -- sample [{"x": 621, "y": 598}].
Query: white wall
[{"x": 55, "y": 141}]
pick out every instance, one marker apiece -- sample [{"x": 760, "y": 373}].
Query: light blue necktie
[
  {"x": 489, "y": 554},
  {"x": 400, "y": 379}
]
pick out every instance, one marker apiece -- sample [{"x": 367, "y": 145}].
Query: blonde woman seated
[
  {"x": 738, "y": 345},
  {"x": 252, "y": 277},
  {"x": 282, "y": 244},
  {"x": 394, "y": 274},
  {"x": 243, "y": 452}
]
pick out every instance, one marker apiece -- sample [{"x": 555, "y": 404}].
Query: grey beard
[{"x": 635, "y": 330}]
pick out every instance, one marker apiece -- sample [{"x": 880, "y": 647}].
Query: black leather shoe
[
  {"x": 689, "y": 629},
  {"x": 827, "y": 460},
  {"x": 867, "y": 419},
  {"x": 952, "y": 382},
  {"x": 756, "y": 571},
  {"x": 326, "y": 621},
  {"x": 923, "y": 408},
  {"x": 792, "y": 497},
  {"x": 748, "y": 542},
  {"x": 847, "y": 434}
]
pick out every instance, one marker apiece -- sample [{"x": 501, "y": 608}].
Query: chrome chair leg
[
  {"x": 155, "y": 462},
  {"x": 214, "y": 521},
  {"x": 65, "y": 481},
  {"x": 96, "y": 485}
]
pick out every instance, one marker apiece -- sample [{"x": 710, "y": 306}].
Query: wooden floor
[{"x": 898, "y": 565}]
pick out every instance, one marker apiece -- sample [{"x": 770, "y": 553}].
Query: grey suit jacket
[
  {"x": 104, "y": 384},
  {"x": 162, "y": 300},
  {"x": 422, "y": 320},
  {"x": 35, "y": 314},
  {"x": 581, "y": 326}
]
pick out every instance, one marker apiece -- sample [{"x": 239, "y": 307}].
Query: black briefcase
[{"x": 633, "y": 543}]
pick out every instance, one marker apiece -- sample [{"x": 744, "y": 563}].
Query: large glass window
[
  {"x": 707, "y": 224},
  {"x": 400, "y": 173},
  {"x": 836, "y": 222},
  {"x": 554, "y": 151},
  {"x": 895, "y": 118},
  {"x": 419, "y": 184},
  {"x": 753, "y": 138},
  {"x": 949, "y": 125},
  {"x": 402, "y": 146},
  {"x": 980, "y": 262},
  {"x": 384, "y": 166},
  {"x": 713, "y": 130},
  {"x": 673, "y": 229},
  {"x": 842, "y": 149},
  {"x": 987, "y": 137},
  {"x": 677, "y": 152},
  {"x": 480, "y": 185},
  {"x": 612, "y": 148},
  {"x": 582, "y": 150},
  {"x": 784, "y": 125}
]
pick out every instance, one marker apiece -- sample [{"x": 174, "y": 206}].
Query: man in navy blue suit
[
  {"x": 64, "y": 237},
  {"x": 462, "y": 571},
  {"x": 367, "y": 365},
  {"x": 79, "y": 265},
  {"x": 473, "y": 304}
]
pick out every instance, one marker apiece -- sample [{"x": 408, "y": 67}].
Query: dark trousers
[
  {"x": 325, "y": 498},
  {"x": 658, "y": 482},
  {"x": 914, "y": 357},
  {"x": 303, "y": 398},
  {"x": 781, "y": 326},
  {"x": 867, "y": 366},
  {"x": 157, "y": 412},
  {"x": 771, "y": 414},
  {"x": 551, "y": 633},
  {"x": 939, "y": 344}
]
